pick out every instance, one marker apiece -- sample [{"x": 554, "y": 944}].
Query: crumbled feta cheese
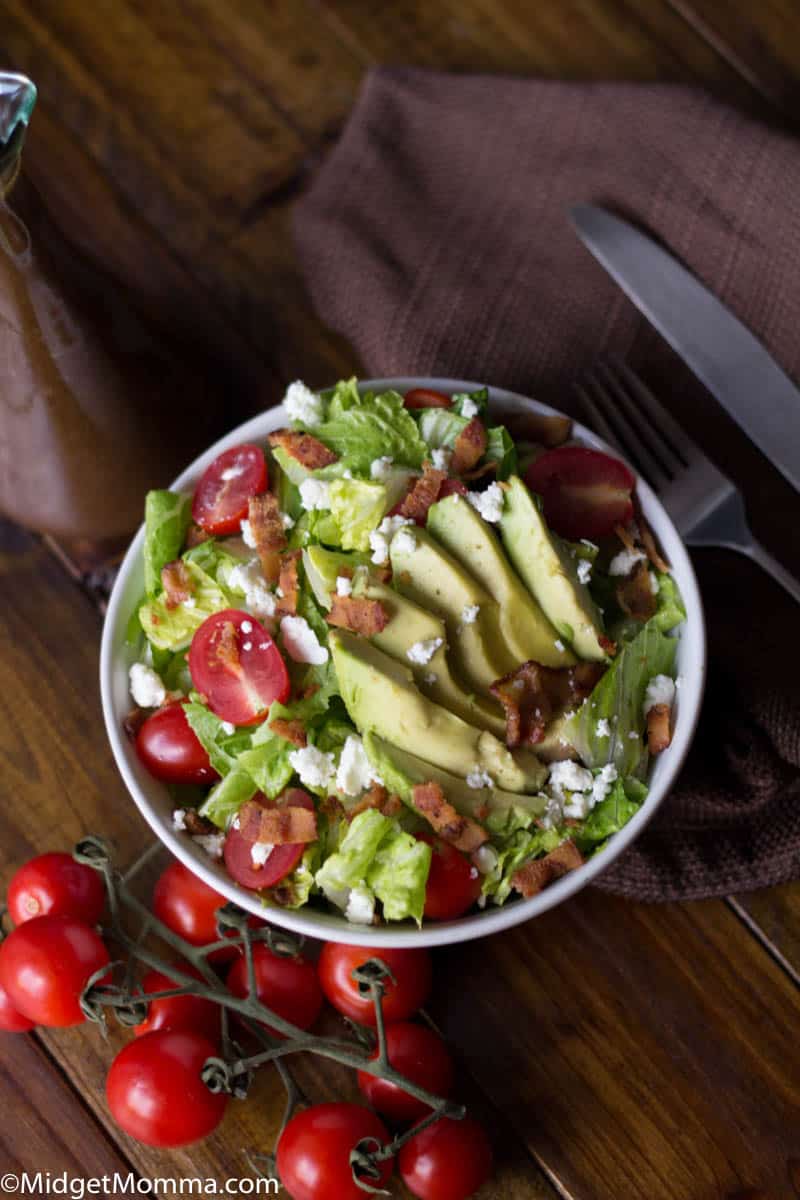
[
  {"x": 381, "y": 468},
  {"x": 430, "y": 677},
  {"x": 653, "y": 581},
  {"x": 405, "y": 542},
  {"x": 423, "y": 652},
  {"x": 485, "y": 859},
  {"x": 584, "y": 570},
  {"x": 588, "y": 544},
  {"x": 559, "y": 645},
  {"x": 260, "y": 852},
  {"x": 602, "y": 729},
  {"x": 344, "y": 585},
  {"x": 249, "y": 578},
  {"x": 478, "y": 778},
  {"x": 212, "y": 843},
  {"x": 660, "y": 690},
  {"x": 568, "y": 776},
  {"x": 634, "y": 733},
  {"x": 301, "y": 643},
  {"x": 360, "y": 906},
  {"x": 146, "y": 686},
  {"x": 489, "y": 503},
  {"x": 603, "y": 782},
  {"x": 578, "y": 805},
  {"x": 179, "y": 818},
  {"x": 247, "y": 533},
  {"x": 286, "y": 521},
  {"x": 553, "y": 813},
  {"x": 233, "y": 472},
  {"x": 380, "y": 539},
  {"x": 354, "y": 773},
  {"x": 624, "y": 562},
  {"x": 302, "y": 404},
  {"x": 190, "y": 602},
  {"x": 440, "y": 458},
  {"x": 315, "y": 493},
  {"x": 469, "y": 613},
  {"x": 469, "y": 408},
  {"x": 228, "y": 727},
  {"x": 315, "y": 767}
]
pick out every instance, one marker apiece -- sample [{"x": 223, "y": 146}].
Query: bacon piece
[
  {"x": 462, "y": 832},
  {"x": 423, "y": 494},
  {"x": 195, "y": 535},
  {"x": 635, "y": 594},
  {"x": 283, "y": 825},
  {"x": 134, "y": 722},
  {"x": 226, "y": 648},
  {"x": 625, "y": 535},
  {"x": 606, "y": 644},
  {"x": 392, "y": 807},
  {"x": 470, "y": 446},
  {"x": 289, "y": 584},
  {"x": 547, "y": 429},
  {"x": 177, "y": 583},
  {"x": 266, "y": 526},
  {"x": 538, "y": 874},
  {"x": 196, "y": 825},
  {"x": 309, "y": 451},
  {"x": 293, "y": 731},
  {"x": 532, "y": 694},
  {"x": 650, "y": 547},
  {"x": 382, "y": 574},
  {"x": 358, "y": 614},
  {"x": 659, "y": 734},
  {"x": 376, "y": 797}
]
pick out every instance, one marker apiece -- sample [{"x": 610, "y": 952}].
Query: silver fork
[{"x": 706, "y": 507}]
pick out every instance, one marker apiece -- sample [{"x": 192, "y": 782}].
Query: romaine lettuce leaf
[
  {"x": 622, "y": 802},
  {"x": 222, "y": 748},
  {"x": 398, "y": 875},
  {"x": 344, "y": 396},
  {"x": 216, "y": 558},
  {"x": 347, "y": 867},
  {"x": 226, "y": 797},
  {"x": 357, "y": 507},
  {"x": 267, "y": 761},
  {"x": 298, "y": 886},
  {"x": 479, "y": 398},
  {"x": 513, "y": 853},
  {"x": 501, "y": 450},
  {"x": 370, "y": 427},
  {"x": 439, "y": 427},
  {"x": 173, "y": 628},
  {"x": 166, "y": 519}
]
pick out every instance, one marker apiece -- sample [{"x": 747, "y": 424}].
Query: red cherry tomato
[
  {"x": 411, "y": 970},
  {"x": 188, "y": 907},
  {"x": 313, "y": 1157},
  {"x": 178, "y": 1012},
  {"x": 54, "y": 883},
  {"x": 288, "y": 986},
  {"x": 419, "y": 1054},
  {"x": 585, "y": 493},
  {"x": 452, "y": 487},
  {"x": 45, "y": 965},
  {"x": 221, "y": 497},
  {"x": 12, "y": 1021},
  {"x": 171, "y": 750},
  {"x": 237, "y": 850},
  {"x": 427, "y": 398},
  {"x": 449, "y": 1160},
  {"x": 155, "y": 1091},
  {"x": 454, "y": 884},
  {"x": 236, "y": 665}
]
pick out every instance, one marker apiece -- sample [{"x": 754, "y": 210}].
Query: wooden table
[{"x": 618, "y": 1051}]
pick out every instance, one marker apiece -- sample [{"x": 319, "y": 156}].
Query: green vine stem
[{"x": 231, "y": 1071}]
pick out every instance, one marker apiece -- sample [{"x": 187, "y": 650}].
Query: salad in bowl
[{"x": 411, "y": 655}]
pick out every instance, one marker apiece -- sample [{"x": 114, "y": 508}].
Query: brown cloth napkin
[{"x": 435, "y": 237}]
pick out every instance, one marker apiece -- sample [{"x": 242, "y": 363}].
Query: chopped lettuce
[
  {"x": 173, "y": 628},
  {"x": 439, "y": 427},
  {"x": 298, "y": 886},
  {"x": 513, "y": 853},
  {"x": 343, "y": 397},
  {"x": 622, "y": 802},
  {"x": 348, "y": 866},
  {"x": 480, "y": 398},
  {"x": 500, "y": 449},
  {"x": 221, "y": 746},
  {"x": 226, "y": 797},
  {"x": 216, "y": 559},
  {"x": 267, "y": 761},
  {"x": 166, "y": 519},
  {"x": 357, "y": 507},
  {"x": 670, "y": 611},
  {"x": 361, "y": 429},
  {"x": 322, "y": 568}
]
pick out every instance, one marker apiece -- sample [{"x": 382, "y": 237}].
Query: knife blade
[{"x": 734, "y": 366}]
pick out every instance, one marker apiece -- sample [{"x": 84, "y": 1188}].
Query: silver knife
[{"x": 723, "y": 354}]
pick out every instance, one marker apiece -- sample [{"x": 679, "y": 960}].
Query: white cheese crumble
[
  {"x": 559, "y": 645},
  {"x": 489, "y": 503},
  {"x": 423, "y": 652},
  {"x": 315, "y": 768},
  {"x": 430, "y": 677},
  {"x": 485, "y": 859},
  {"x": 584, "y": 570},
  {"x": 354, "y": 773},
  {"x": 381, "y": 468},
  {"x": 302, "y": 404},
  {"x": 405, "y": 542},
  {"x": 315, "y": 493},
  {"x": 654, "y": 584},
  {"x": 360, "y": 906},
  {"x": 553, "y": 813},
  {"x": 634, "y": 733},
  {"x": 247, "y": 533},
  {"x": 469, "y": 613},
  {"x": 660, "y": 690},
  {"x": 228, "y": 727},
  {"x": 179, "y": 818},
  {"x": 568, "y": 776},
  {"x": 249, "y": 578},
  {"x": 344, "y": 585},
  {"x": 624, "y": 562},
  {"x": 440, "y": 458},
  {"x": 469, "y": 408},
  {"x": 286, "y": 521},
  {"x": 380, "y": 539},
  {"x": 478, "y": 778},
  {"x": 212, "y": 843},
  {"x": 260, "y": 852},
  {"x": 602, "y": 729},
  {"x": 146, "y": 686},
  {"x": 603, "y": 782},
  {"x": 232, "y": 472},
  {"x": 301, "y": 643}
]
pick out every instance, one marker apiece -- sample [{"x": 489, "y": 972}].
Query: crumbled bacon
[
  {"x": 195, "y": 535},
  {"x": 134, "y": 722},
  {"x": 659, "y": 734},
  {"x": 461, "y": 832},
  {"x": 266, "y": 526},
  {"x": 538, "y": 874},
  {"x": 392, "y": 807},
  {"x": 196, "y": 825},
  {"x": 625, "y": 535},
  {"x": 606, "y": 644},
  {"x": 309, "y": 451},
  {"x": 635, "y": 594},
  {"x": 332, "y": 808},
  {"x": 289, "y": 584},
  {"x": 358, "y": 614},
  {"x": 532, "y": 694},
  {"x": 282, "y": 825},
  {"x": 650, "y": 547},
  {"x": 177, "y": 583},
  {"x": 469, "y": 447},
  {"x": 293, "y": 731},
  {"x": 423, "y": 494},
  {"x": 383, "y": 574},
  {"x": 547, "y": 429},
  {"x": 226, "y": 648},
  {"x": 376, "y": 797}
]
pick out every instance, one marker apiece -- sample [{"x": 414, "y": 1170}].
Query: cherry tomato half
[
  {"x": 585, "y": 493},
  {"x": 288, "y": 986},
  {"x": 426, "y": 398},
  {"x": 453, "y": 885},
  {"x": 237, "y": 850},
  {"x": 236, "y": 665},
  {"x": 155, "y": 1091},
  {"x": 188, "y": 907},
  {"x": 12, "y": 1021},
  {"x": 313, "y": 1157},
  {"x": 171, "y": 750},
  {"x": 449, "y": 1160},
  {"x": 54, "y": 883},
  {"x": 419, "y": 1054},
  {"x": 411, "y": 970},
  {"x": 221, "y": 497},
  {"x": 45, "y": 965},
  {"x": 452, "y": 487},
  {"x": 178, "y": 1012}
]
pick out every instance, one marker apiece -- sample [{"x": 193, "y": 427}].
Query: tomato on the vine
[
  {"x": 56, "y": 884},
  {"x": 170, "y": 748},
  {"x": 421, "y": 1056},
  {"x": 45, "y": 964},
  {"x": 238, "y": 850},
  {"x": 287, "y": 985},
  {"x": 313, "y": 1157},
  {"x": 453, "y": 884},
  {"x": 427, "y": 398},
  {"x": 403, "y": 995},
  {"x": 585, "y": 493},
  {"x": 221, "y": 497},
  {"x": 11, "y": 1020},
  {"x": 155, "y": 1091},
  {"x": 188, "y": 907},
  {"x": 449, "y": 1160},
  {"x": 236, "y": 665},
  {"x": 178, "y": 1012}
]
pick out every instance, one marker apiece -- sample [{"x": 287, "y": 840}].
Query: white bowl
[{"x": 152, "y": 797}]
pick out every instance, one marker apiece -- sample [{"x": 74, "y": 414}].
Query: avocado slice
[
  {"x": 549, "y": 571},
  {"x": 400, "y": 771},
  {"x": 528, "y": 633},
  {"x": 435, "y": 580},
  {"x": 381, "y": 697}
]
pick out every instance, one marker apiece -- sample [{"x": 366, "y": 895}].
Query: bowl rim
[{"x": 329, "y": 927}]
